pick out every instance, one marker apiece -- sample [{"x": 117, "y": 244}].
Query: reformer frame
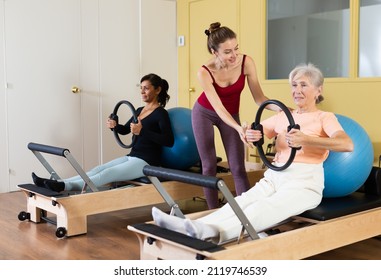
[
  {"x": 72, "y": 208},
  {"x": 301, "y": 236}
]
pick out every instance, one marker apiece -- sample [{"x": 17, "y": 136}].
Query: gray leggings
[
  {"x": 203, "y": 121},
  {"x": 120, "y": 169}
]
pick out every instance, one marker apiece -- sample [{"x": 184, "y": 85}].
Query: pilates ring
[
  {"x": 257, "y": 126},
  {"x": 114, "y": 116}
]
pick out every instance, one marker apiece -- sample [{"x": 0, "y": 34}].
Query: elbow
[
  {"x": 344, "y": 143},
  {"x": 260, "y": 99},
  {"x": 349, "y": 147}
]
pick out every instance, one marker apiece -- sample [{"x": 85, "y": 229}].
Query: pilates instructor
[{"x": 222, "y": 79}]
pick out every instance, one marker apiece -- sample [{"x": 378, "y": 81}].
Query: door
[
  {"x": 42, "y": 63},
  {"x": 201, "y": 15}
]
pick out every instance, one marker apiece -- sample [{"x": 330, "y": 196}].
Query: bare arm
[
  {"x": 339, "y": 142},
  {"x": 255, "y": 88}
]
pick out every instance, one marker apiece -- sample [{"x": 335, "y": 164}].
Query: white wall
[
  {"x": 119, "y": 42},
  {"x": 4, "y": 177},
  {"x": 159, "y": 42}
]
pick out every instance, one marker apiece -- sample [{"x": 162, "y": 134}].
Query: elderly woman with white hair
[{"x": 279, "y": 194}]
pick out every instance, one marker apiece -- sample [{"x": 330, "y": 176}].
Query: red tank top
[{"x": 230, "y": 95}]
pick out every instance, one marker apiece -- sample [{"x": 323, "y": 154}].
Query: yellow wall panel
[{"x": 359, "y": 99}]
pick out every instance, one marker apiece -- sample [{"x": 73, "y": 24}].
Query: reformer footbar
[
  {"x": 37, "y": 149},
  {"x": 199, "y": 247},
  {"x": 211, "y": 182}
]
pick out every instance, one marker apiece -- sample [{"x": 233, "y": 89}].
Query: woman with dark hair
[
  {"x": 222, "y": 79},
  {"x": 152, "y": 131}
]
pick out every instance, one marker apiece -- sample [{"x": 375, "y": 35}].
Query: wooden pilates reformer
[
  {"x": 72, "y": 208},
  {"x": 336, "y": 222}
]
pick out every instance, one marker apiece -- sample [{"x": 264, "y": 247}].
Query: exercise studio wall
[{"x": 351, "y": 96}]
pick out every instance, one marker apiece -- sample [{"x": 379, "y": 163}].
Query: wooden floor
[{"x": 108, "y": 237}]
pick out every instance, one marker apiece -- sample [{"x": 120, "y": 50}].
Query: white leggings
[
  {"x": 275, "y": 198},
  {"x": 120, "y": 169}
]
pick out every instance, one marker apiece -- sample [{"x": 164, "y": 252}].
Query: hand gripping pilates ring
[
  {"x": 257, "y": 126},
  {"x": 114, "y": 116}
]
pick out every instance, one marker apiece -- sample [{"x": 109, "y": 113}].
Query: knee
[{"x": 238, "y": 170}]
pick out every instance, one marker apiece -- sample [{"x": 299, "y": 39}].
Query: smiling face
[
  {"x": 148, "y": 91},
  {"x": 227, "y": 52},
  {"x": 304, "y": 93}
]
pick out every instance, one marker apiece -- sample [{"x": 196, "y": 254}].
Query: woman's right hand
[
  {"x": 111, "y": 123},
  {"x": 252, "y": 135}
]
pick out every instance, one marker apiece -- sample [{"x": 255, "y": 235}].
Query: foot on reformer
[
  {"x": 167, "y": 221},
  {"x": 189, "y": 227},
  {"x": 54, "y": 185},
  {"x": 200, "y": 230},
  {"x": 38, "y": 181}
]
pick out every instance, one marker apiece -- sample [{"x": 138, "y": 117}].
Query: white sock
[
  {"x": 200, "y": 230},
  {"x": 168, "y": 221}
]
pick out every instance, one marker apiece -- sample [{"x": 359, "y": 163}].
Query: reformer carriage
[
  {"x": 336, "y": 222},
  {"x": 349, "y": 217}
]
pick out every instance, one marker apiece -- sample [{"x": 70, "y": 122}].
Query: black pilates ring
[
  {"x": 259, "y": 144},
  {"x": 114, "y": 116}
]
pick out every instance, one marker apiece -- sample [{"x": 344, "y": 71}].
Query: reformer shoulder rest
[{"x": 367, "y": 197}]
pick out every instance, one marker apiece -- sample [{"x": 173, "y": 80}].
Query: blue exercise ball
[
  {"x": 346, "y": 172},
  {"x": 183, "y": 154}
]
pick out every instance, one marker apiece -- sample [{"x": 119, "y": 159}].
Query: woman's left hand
[
  {"x": 136, "y": 127},
  {"x": 294, "y": 138}
]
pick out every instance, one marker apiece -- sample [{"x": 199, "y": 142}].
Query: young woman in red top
[{"x": 222, "y": 79}]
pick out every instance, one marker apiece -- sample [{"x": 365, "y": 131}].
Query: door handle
[
  {"x": 192, "y": 89},
  {"x": 75, "y": 89}
]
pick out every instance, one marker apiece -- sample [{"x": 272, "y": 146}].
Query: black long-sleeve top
[{"x": 156, "y": 133}]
